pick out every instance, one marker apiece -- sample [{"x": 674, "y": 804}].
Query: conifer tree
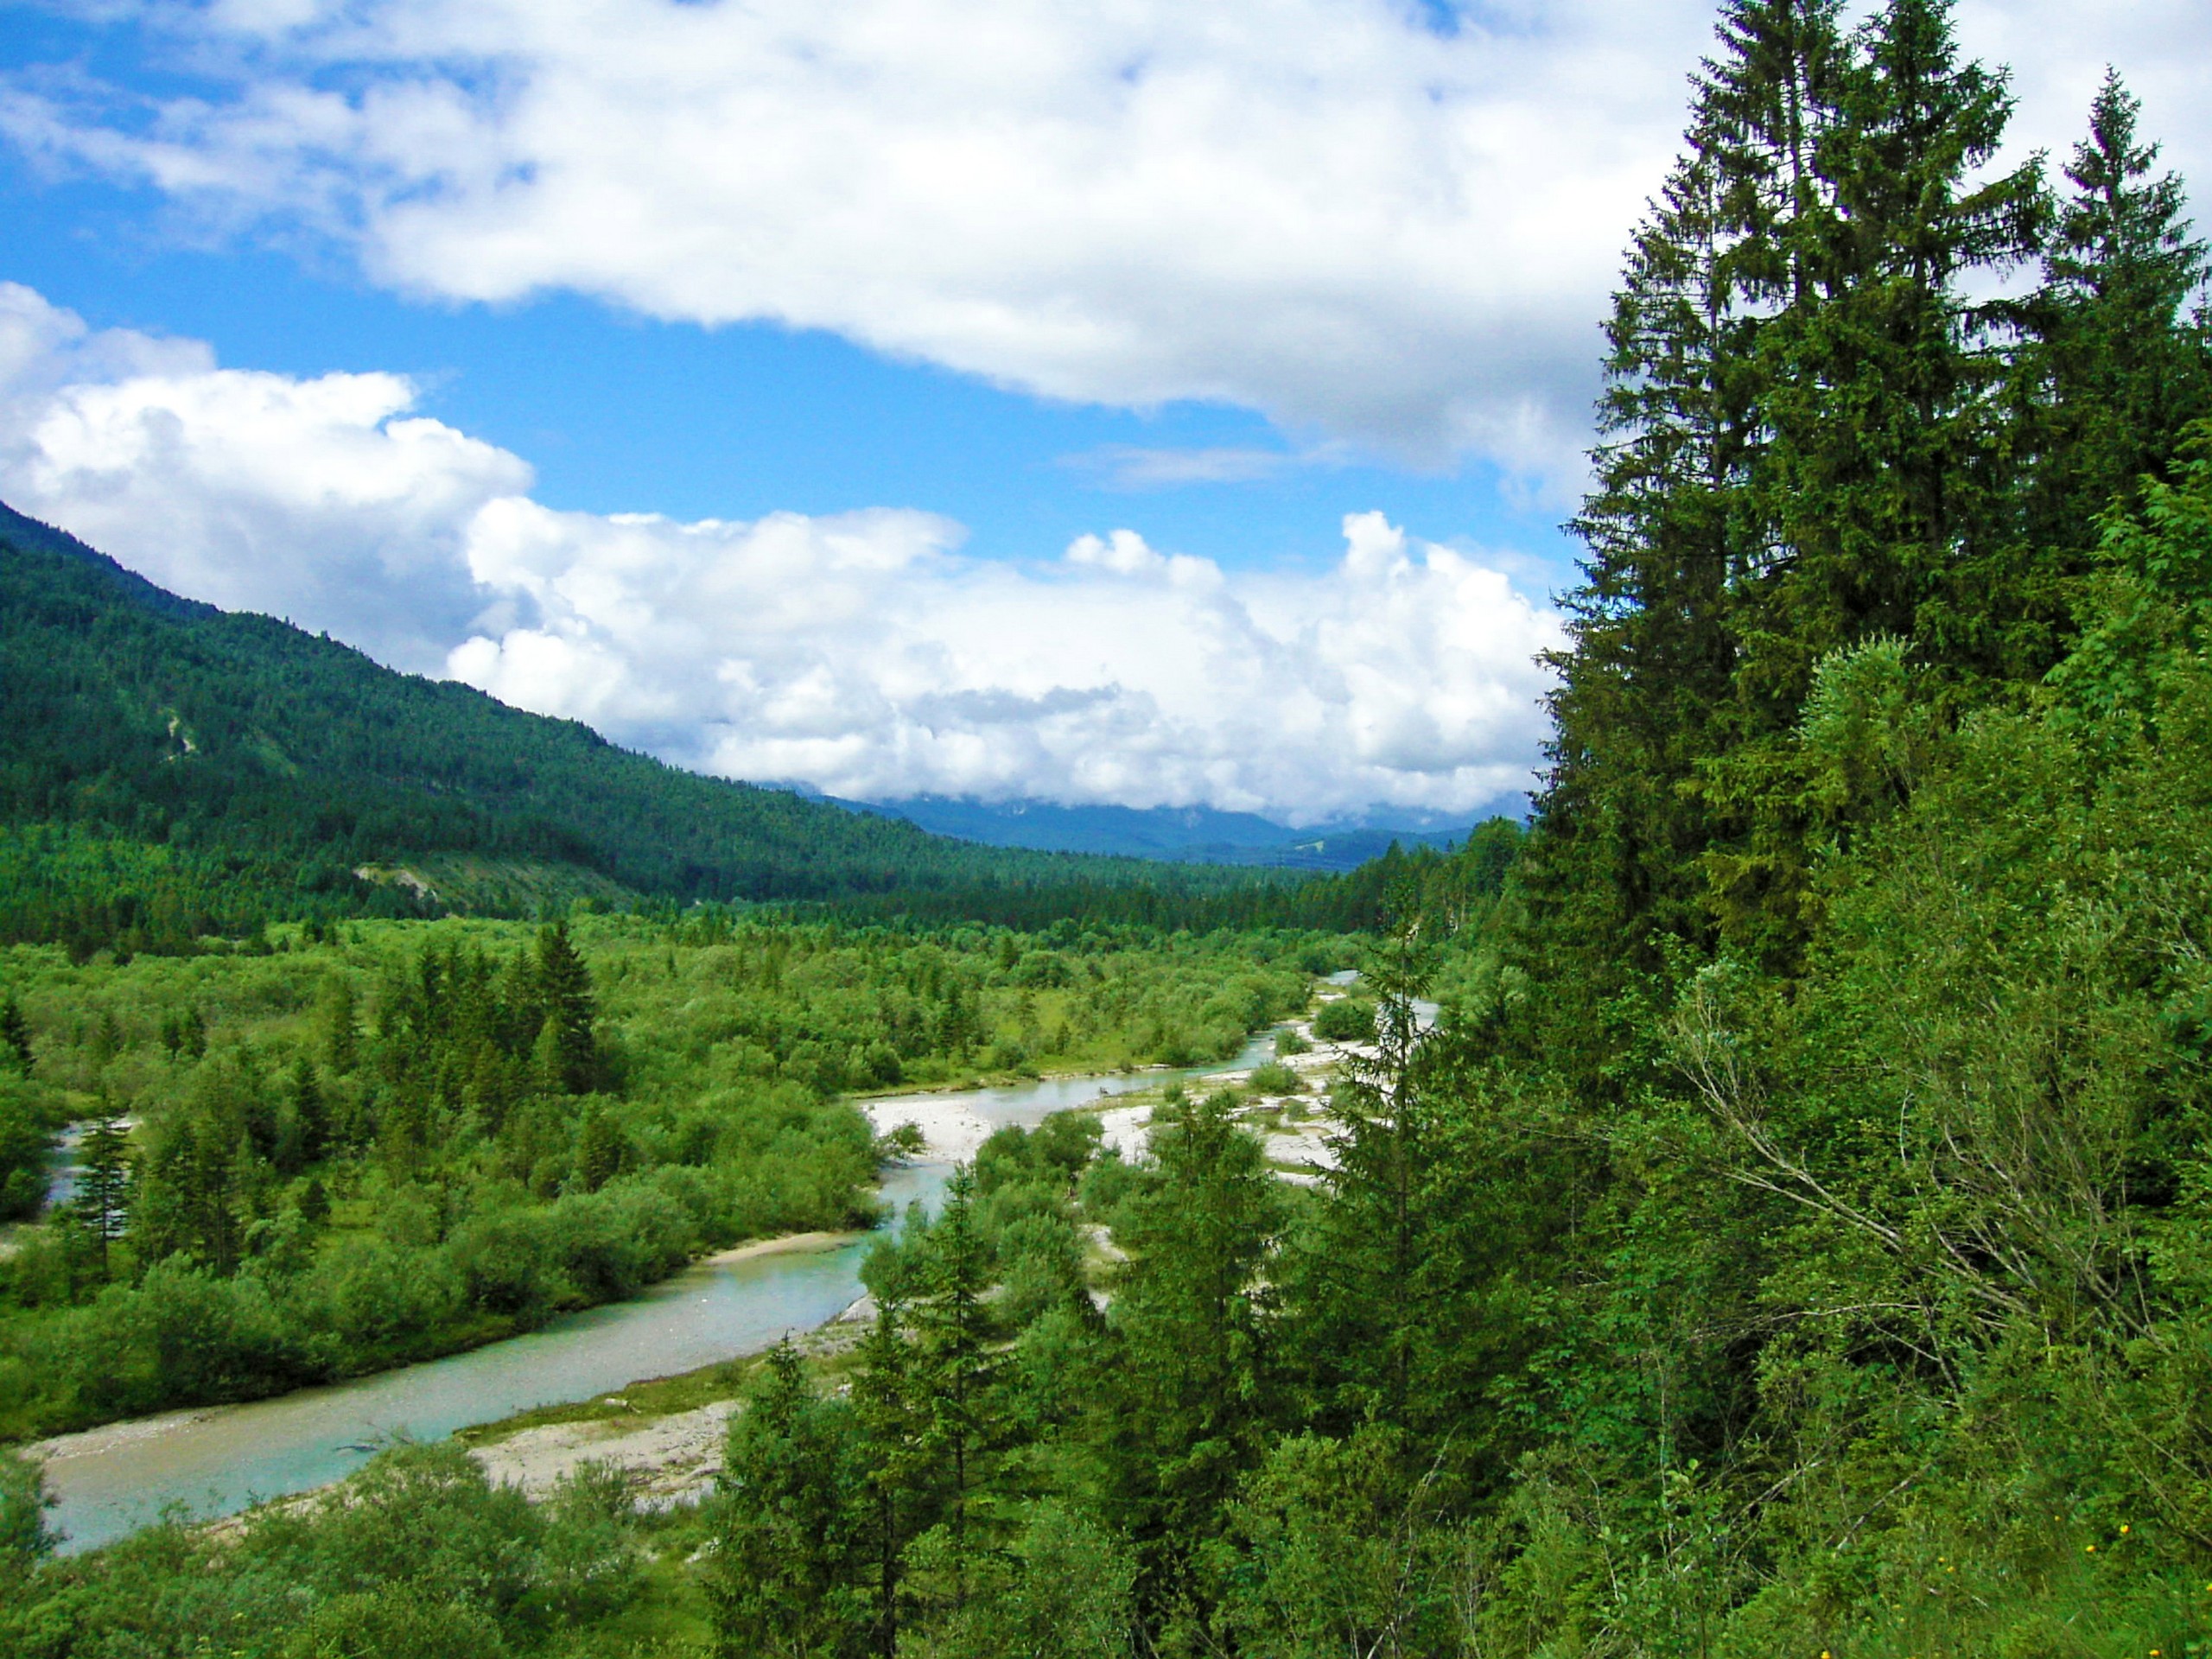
[
  {"x": 2119, "y": 366},
  {"x": 1884, "y": 481},
  {"x": 103, "y": 1195},
  {"x": 192, "y": 1033},
  {"x": 15, "y": 1035},
  {"x": 563, "y": 986},
  {"x": 891, "y": 1422},
  {"x": 1806, "y": 445},
  {"x": 786, "y": 1524},
  {"x": 305, "y": 1134},
  {"x": 600, "y": 1149},
  {"x": 1189, "y": 1315},
  {"x": 956, "y": 1368},
  {"x": 1365, "y": 1273},
  {"x": 1673, "y": 526}
]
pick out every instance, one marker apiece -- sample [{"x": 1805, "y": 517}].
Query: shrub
[{"x": 1348, "y": 1019}]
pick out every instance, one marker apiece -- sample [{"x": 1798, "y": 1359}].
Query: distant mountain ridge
[{"x": 1197, "y": 835}]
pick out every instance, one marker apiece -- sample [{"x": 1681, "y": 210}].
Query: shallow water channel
[{"x": 216, "y": 1460}]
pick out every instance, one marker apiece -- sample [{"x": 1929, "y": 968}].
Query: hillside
[{"x": 169, "y": 768}]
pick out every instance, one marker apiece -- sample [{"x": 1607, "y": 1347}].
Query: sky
[{"x": 1125, "y": 402}]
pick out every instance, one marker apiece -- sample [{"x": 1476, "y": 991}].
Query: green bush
[{"x": 1348, "y": 1019}]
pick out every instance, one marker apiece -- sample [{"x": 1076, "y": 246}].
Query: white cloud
[
  {"x": 1317, "y": 208},
  {"x": 323, "y": 501},
  {"x": 862, "y": 652},
  {"x": 1372, "y": 231},
  {"x": 1129, "y": 467}
]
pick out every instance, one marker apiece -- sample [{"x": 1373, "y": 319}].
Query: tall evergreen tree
[
  {"x": 563, "y": 986},
  {"x": 103, "y": 1192},
  {"x": 956, "y": 1369},
  {"x": 1806, "y": 445},
  {"x": 1673, "y": 527},
  {"x": 1885, "y": 479},
  {"x": 1363, "y": 1273},
  {"x": 891, "y": 1421},
  {"x": 14, "y": 1034},
  {"x": 1889, "y": 481},
  {"x": 2119, "y": 366},
  {"x": 787, "y": 1516},
  {"x": 304, "y": 1131},
  {"x": 1194, "y": 1386}
]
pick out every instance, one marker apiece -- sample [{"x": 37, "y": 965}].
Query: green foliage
[
  {"x": 25, "y": 1538},
  {"x": 421, "y": 1558},
  {"x": 342, "y": 1155},
  {"x": 1819, "y": 431},
  {"x": 1346, "y": 1019},
  {"x": 27, "y": 1114},
  {"x": 791, "y": 1511}
]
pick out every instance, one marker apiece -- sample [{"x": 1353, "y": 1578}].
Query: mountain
[
  {"x": 1185, "y": 834},
  {"x": 171, "y": 768}
]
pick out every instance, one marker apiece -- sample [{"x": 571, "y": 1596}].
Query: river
[{"x": 216, "y": 1460}]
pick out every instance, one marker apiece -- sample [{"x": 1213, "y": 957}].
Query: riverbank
[
  {"x": 666, "y": 1434},
  {"x": 217, "y": 1460}
]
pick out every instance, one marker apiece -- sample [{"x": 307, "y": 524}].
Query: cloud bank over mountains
[{"x": 861, "y": 653}]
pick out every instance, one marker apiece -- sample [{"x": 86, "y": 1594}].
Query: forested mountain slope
[{"x": 170, "y": 769}]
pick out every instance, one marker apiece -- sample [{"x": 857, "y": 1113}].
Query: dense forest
[{"x": 1796, "y": 1235}]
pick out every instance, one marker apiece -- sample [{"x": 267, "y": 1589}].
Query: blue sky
[{"x": 1149, "y": 405}]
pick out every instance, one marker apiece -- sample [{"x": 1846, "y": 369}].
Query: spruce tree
[
  {"x": 1887, "y": 485},
  {"x": 15, "y": 1035},
  {"x": 1885, "y": 479},
  {"x": 1189, "y": 1319},
  {"x": 563, "y": 986},
  {"x": 1363, "y": 1270},
  {"x": 2119, "y": 366},
  {"x": 1806, "y": 445},
  {"x": 192, "y": 1034},
  {"x": 1673, "y": 526},
  {"x": 305, "y": 1134},
  {"x": 103, "y": 1195},
  {"x": 601, "y": 1150},
  {"x": 956, "y": 1369},
  {"x": 786, "y": 1524},
  {"x": 891, "y": 1421}
]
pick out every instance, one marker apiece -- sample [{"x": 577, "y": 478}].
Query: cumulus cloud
[
  {"x": 324, "y": 500},
  {"x": 1375, "y": 230},
  {"x": 1369, "y": 229},
  {"x": 862, "y": 653}
]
